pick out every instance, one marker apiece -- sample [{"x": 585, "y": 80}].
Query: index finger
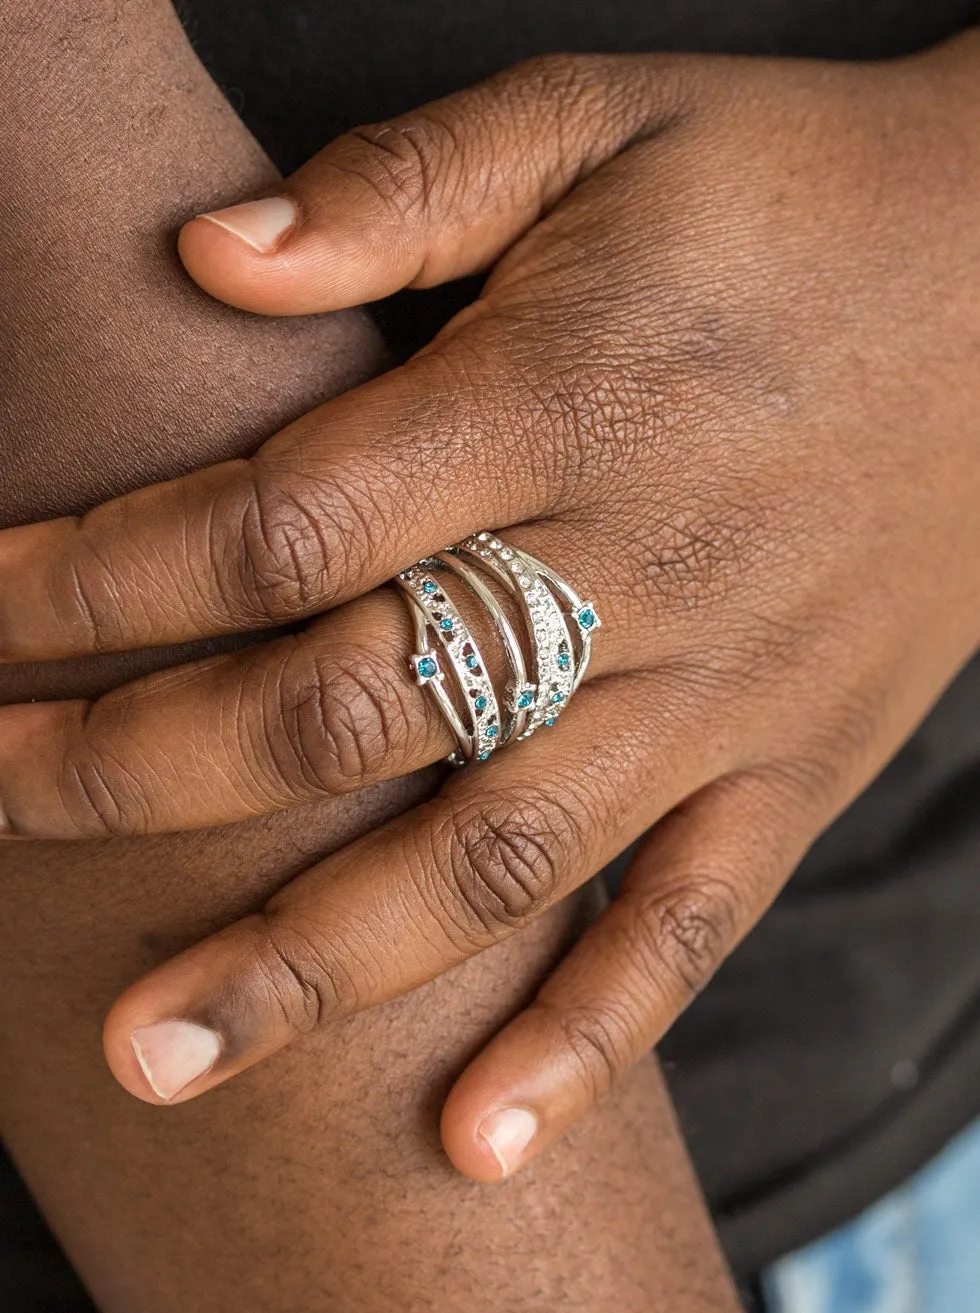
[{"x": 333, "y": 505}]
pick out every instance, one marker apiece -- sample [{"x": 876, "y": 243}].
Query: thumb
[{"x": 431, "y": 195}]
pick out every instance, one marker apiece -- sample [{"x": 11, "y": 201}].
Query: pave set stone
[{"x": 551, "y": 642}]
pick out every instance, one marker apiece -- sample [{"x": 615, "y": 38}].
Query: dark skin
[
  {"x": 723, "y": 375},
  {"x": 318, "y": 1183}
]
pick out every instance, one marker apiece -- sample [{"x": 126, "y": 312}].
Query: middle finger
[{"x": 317, "y": 713}]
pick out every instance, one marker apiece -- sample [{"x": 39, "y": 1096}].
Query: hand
[{"x": 723, "y": 376}]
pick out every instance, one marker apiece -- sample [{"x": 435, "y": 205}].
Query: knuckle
[
  {"x": 822, "y": 773},
  {"x": 599, "y": 1040},
  {"x": 738, "y": 664},
  {"x": 101, "y": 798},
  {"x": 90, "y": 585},
  {"x": 597, "y": 412},
  {"x": 94, "y": 592},
  {"x": 854, "y": 734},
  {"x": 812, "y": 775},
  {"x": 697, "y": 549},
  {"x": 410, "y": 162},
  {"x": 506, "y": 861},
  {"x": 555, "y": 77},
  {"x": 702, "y": 344},
  {"x": 294, "y": 542},
  {"x": 333, "y": 724},
  {"x": 595, "y": 106},
  {"x": 690, "y": 930},
  {"x": 296, "y": 975}
]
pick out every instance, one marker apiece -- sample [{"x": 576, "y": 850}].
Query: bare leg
[{"x": 317, "y": 1181}]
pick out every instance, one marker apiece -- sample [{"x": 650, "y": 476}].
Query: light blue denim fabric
[{"x": 917, "y": 1251}]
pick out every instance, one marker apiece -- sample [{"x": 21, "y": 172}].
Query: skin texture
[
  {"x": 320, "y": 1183},
  {"x": 729, "y": 344}
]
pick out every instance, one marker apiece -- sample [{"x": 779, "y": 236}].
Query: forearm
[
  {"x": 318, "y": 1182},
  {"x": 112, "y": 136}
]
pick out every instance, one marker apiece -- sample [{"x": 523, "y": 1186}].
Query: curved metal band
[
  {"x": 520, "y": 695},
  {"x": 583, "y": 615},
  {"x": 426, "y": 656},
  {"x": 434, "y": 613},
  {"x": 554, "y": 659}
]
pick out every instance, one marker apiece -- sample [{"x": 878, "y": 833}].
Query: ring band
[
  {"x": 435, "y": 613},
  {"x": 559, "y": 628},
  {"x": 583, "y": 614},
  {"x": 554, "y": 660},
  {"x": 520, "y": 695}
]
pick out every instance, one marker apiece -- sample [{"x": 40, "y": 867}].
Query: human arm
[
  {"x": 322, "y": 1184},
  {"x": 699, "y": 386}
]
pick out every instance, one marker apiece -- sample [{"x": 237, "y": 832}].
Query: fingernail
[
  {"x": 261, "y": 224},
  {"x": 508, "y": 1133},
  {"x": 173, "y": 1053}
]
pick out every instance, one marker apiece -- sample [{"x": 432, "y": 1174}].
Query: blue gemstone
[
  {"x": 564, "y": 661},
  {"x": 446, "y": 624},
  {"x": 471, "y": 663},
  {"x": 480, "y": 704},
  {"x": 586, "y": 617},
  {"x": 557, "y": 697},
  {"x": 426, "y": 668},
  {"x": 430, "y": 586},
  {"x": 492, "y": 731},
  {"x": 526, "y": 698},
  {"x": 550, "y": 721},
  {"x": 484, "y": 755}
]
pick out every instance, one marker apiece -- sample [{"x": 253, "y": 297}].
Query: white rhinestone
[
  {"x": 506, "y": 554},
  {"x": 516, "y": 567},
  {"x": 482, "y": 537},
  {"x": 524, "y": 581}
]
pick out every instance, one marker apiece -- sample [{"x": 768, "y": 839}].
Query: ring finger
[{"x": 279, "y": 724}]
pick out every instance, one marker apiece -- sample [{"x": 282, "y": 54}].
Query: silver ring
[
  {"x": 583, "y": 615},
  {"x": 520, "y": 695},
  {"x": 559, "y": 628},
  {"x": 434, "y": 613},
  {"x": 551, "y": 641}
]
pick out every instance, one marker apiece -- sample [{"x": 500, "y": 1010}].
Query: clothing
[
  {"x": 840, "y": 1046},
  {"x": 916, "y": 1251}
]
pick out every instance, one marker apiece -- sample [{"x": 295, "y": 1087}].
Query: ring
[
  {"x": 583, "y": 614},
  {"x": 559, "y": 625},
  {"x": 551, "y": 642},
  {"x": 435, "y": 614},
  {"x": 520, "y": 694}
]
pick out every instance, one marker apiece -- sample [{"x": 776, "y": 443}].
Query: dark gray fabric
[
  {"x": 840, "y": 1047},
  {"x": 301, "y": 71},
  {"x": 35, "y": 1277}
]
